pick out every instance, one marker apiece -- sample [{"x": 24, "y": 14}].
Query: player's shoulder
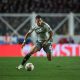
[{"x": 46, "y": 24}]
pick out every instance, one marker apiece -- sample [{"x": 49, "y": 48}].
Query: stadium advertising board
[{"x": 57, "y": 50}]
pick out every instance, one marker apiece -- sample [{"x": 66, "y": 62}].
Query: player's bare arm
[{"x": 26, "y": 36}]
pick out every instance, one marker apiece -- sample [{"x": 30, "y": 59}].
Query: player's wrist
[{"x": 24, "y": 41}]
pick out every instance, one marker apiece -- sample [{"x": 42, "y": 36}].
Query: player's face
[{"x": 38, "y": 21}]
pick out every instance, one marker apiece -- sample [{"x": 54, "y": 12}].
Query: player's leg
[
  {"x": 48, "y": 51},
  {"x": 34, "y": 50},
  {"x": 26, "y": 58}
]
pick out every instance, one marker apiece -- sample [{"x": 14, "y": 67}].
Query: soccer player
[{"x": 44, "y": 37}]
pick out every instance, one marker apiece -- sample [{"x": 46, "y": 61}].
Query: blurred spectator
[
  {"x": 63, "y": 40},
  {"x": 70, "y": 39},
  {"x": 7, "y": 39}
]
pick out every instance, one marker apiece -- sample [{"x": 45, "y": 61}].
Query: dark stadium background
[{"x": 18, "y": 16}]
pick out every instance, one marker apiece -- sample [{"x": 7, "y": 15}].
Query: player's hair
[{"x": 38, "y": 17}]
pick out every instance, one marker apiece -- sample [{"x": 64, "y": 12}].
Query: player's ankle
[{"x": 49, "y": 59}]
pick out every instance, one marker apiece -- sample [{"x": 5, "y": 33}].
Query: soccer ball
[{"x": 29, "y": 67}]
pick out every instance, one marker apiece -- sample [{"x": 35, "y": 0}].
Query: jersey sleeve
[{"x": 48, "y": 28}]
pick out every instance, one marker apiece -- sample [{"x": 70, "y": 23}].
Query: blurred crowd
[
  {"x": 44, "y": 6},
  {"x": 68, "y": 40}
]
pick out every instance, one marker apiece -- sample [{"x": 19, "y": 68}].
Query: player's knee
[{"x": 33, "y": 50}]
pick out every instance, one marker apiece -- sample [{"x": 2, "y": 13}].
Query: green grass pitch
[{"x": 60, "y": 68}]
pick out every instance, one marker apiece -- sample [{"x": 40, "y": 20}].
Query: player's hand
[{"x": 44, "y": 43}]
